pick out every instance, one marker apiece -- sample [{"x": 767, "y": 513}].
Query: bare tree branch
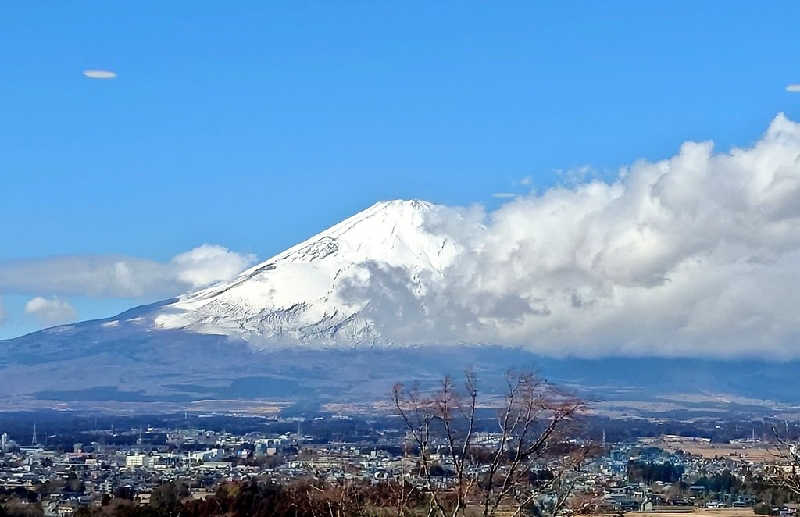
[{"x": 495, "y": 473}]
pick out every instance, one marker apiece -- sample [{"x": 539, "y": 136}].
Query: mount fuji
[
  {"x": 298, "y": 297},
  {"x": 302, "y": 326},
  {"x": 291, "y": 320}
]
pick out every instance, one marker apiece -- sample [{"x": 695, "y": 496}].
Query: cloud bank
[
  {"x": 122, "y": 277},
  {"x": 695, "y": 255},
  {"x": 51, "y": 310}
]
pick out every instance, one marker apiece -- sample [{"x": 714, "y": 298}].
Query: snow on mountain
[{"x": 296, "y": 296}]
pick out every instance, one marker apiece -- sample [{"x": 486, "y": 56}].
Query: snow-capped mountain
[
  {"x": 301, "y": 295},
  {"x": 299, "y": 327}
]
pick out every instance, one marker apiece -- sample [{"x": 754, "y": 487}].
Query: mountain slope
[{"x": 300, "y": 296}]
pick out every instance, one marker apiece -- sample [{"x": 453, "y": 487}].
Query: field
[
  {"x": 701, "y": 512},
  {"x": 751, "y": 452}
]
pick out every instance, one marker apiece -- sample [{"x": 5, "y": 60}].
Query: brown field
[
  {"x": 758, "y": 452},
  {"x": 698, "y": 512},
  {"x": 701, "y": 512}
]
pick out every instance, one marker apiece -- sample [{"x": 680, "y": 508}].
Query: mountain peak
[
  {"x": 415, "y": 204},
  {"x": 374, "y": 234},
  {"x": 300, "y": 295}
]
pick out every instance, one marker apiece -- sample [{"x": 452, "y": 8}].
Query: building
[{"x": 136, "y": 460}]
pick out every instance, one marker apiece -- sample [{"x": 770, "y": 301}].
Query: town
[{"x": 149, "y": 467}]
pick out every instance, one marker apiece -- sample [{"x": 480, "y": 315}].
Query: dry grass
[
  {"x": 760, "y": 453},
  {"x": 704, "y": 512}
]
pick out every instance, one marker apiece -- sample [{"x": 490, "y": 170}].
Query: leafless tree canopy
[
  {"x": 496, "y": 470},
  {"x": 786, "y": 473}
]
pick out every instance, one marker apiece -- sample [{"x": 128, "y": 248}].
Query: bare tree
[
  {"x": 495, "y": 471},
  {"x": 338, "y": 499},
  {"x": 555, "y": 492},
  {"x": 786, "y": 472}
]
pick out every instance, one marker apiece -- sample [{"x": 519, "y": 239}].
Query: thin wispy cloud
[
  {"x": 504, "y": 195},
  {"x": 795, "y": 88},
  {"x": 123, "y": 277},
  {"x": 99, "y": 74}
]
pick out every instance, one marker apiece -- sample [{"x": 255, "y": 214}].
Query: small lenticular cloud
[
  {"x": 793, "y": 88},
  {"x": 99, "y": 74}
]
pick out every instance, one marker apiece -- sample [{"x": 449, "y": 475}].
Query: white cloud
[
  {"x": 99, "y": 74},
  {"x": 527, "y": 180},
  {"x": 113, "y": 276},
  {"x": 51, "y": 310},
  {"x": 793, "y": 88},
  {"x": 695, "y": 255},
  {"x": 208, "y": 263},
  {"x": 504, "y": 195}
]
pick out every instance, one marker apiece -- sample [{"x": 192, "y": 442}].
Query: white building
[{"x": 136, "y": 460}]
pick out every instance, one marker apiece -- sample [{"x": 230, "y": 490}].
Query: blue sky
[{"x": 255, "y": 125}]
